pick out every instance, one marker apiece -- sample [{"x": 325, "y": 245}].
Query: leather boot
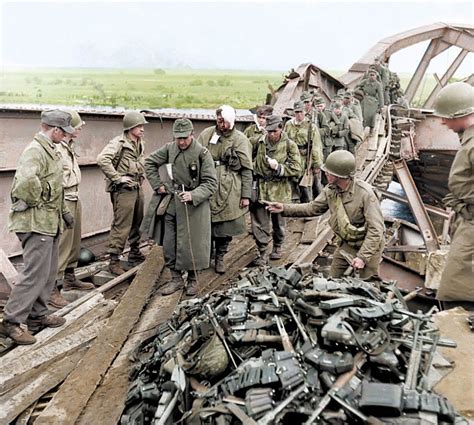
[
  {"x": 191, "y": 287},
  {"x": 114, "y": 265},
  {"x": 276, "y": 253},
  {"x": 49, "y": 321},
  {"x": 135, "y": 256},
  {"x": 16, "y": 332},
  {"x": 222, "y": 245},
  {"x": 71, "y": 282},
  {"x": 262, "y": 259},
  {"x": 56, "y": 300},
  {"x": 219, "y": 265},
  {"x": 174, "y": 284}
]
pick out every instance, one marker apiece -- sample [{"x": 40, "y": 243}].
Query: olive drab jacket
[
  {"x": 456, "y": 281},
  {"x": 192, "y": 169},
  {"x": 122, "y": 157},
  {"x": 274, "y": 186},
  {"x": 339, "y": 130},
  {"x": 71, "y": 170},
  {"x": 253, "y": 133},
  {"x": 373, "y": 100},
  {"x": 300, "y": 133},
  {"x": 232, "y": 156},
  {"x": 38, "y": 181},
  {"x": 362, "y": 208}
]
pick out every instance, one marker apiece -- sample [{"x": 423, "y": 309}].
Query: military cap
[
  {"x": 347, "y": 94},
  {"x": 273, "y": 122},
  {"x": 264, "y": 110},
  {"x": 337, "y": 105},
  {"x": 298, "y": 106},
  {"x": 337, "y": 97},
  {"x": 58, "y": 118},
  {"x": 182, "y": 128},
  {"x": 319, "y": 101},
  {"x": 306, "y": 96}
]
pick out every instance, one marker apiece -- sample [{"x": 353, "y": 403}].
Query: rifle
[
  {"x": 285, "y": 339},
  {"x": 270, "y": 416},
  {"x": 307, "y": 179}
]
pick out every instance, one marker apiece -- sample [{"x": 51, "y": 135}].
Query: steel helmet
[
  {"x": 454, "y": 101},
  {"x": 132, "y": 119},
  {"x": 76, "y": 120},
  {"x": 340, "y": 164}
]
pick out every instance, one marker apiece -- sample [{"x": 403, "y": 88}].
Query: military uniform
[
  {"x": 254, "y": 133},
  {"x": 232, "y": 156},
  {"x": 339, "y": 126},
  {"x": 457, "y": 278},
  {"x": 372, "y": 102},
  {"x": 273, "y": 185},
  {"x": 356, "y": 218},
  {"x": 124, "y": 157}
]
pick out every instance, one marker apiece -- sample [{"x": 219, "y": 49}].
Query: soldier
[
  {"x": 455, "y": 104},
  {"x": 306, "y": 136},
  {"x": 122, "y": 163},
  {"x": 324, "y": 116},
  {"x": 384, "y": 78},
  {"x": 354, "y": 113},
  {"x": 186, "y": 234},
  {"x": 36, "y": 216},
  {"x": 277, "y": 161},
  {"x": 373, "y": 99},
  {"x": 307, "y": 98},
  {"x": 232, "y": 155},
  {"x": 352, "y": 106},
  {"x": 70, "y": 240},
  {"x": 339, "y": 125},
  {"x": 255, "y": 131},
  {"x": 356, "y": 216}
]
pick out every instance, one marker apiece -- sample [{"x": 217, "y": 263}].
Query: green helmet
[
  {"x": 454, "y": 101},
  {"x": 76, "y": 120},
  {"x": 132, "y": 119},
  {"x": 340, "y": 164}
]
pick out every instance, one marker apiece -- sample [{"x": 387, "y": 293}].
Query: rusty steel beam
[
  {"x": 416, "y": 205},
  {"x": 445, "y": 78}
]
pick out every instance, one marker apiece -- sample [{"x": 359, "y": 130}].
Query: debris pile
[{"x": 279, "y": 347}]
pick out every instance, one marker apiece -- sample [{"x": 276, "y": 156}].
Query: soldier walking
[
  {"x": 179, "y": 214},
  {"x": 339, "y": 125},
  {"x": 373, "y": 99},
  {"x": 255, "y": 131},
  {"x": 36, "y": 216},
  {"x": 232, "y": 155},
  {"x": 323, "y": 125},
  {"x": 122, "y": 163},
  {"x": 455, "y": 104},
  {"x": 356, "y": 216},
  {"x": 277, "y": 161}
]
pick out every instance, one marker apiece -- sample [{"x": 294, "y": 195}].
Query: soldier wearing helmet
[
  {"x": 455, "y": 105},
  {"x": 122, "y": 162},
  {"x": 70, "y": 241},
  {"x": 356, "y": 217}
]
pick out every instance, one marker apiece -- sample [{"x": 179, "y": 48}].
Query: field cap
[
  {"x": 306, "y": 96},
  {"x": 182, "y": 128},
  {"x": 58, "y": 118},
  {"x": 319, "y": 101},
  {"x": 298, "y": 106},
  {"x": 273, "y": 122}
]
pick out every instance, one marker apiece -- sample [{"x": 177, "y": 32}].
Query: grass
[{"x": 148, "y": 88}]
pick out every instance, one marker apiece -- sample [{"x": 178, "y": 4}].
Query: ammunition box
[{"x": 381, "y": 399}]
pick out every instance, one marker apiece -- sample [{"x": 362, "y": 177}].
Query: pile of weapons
[{"x": 279, "y": 347}]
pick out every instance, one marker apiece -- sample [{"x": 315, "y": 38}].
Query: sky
[{"x": 224, "y": 34}]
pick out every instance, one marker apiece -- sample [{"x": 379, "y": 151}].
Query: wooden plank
[
  {"x": 71, "y": 398},
  {"x": 16, "y": 402},
  {"x": 6, "y": 267}
]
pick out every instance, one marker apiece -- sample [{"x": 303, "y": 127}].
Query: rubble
[{"x": 279, "y": 347}]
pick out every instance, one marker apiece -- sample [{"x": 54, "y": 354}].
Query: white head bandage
[{"x": 228, "y": 113}]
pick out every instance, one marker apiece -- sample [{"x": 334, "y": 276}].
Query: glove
[
  {"x": 20, "y": 206},
  {"x": 68, "y": 220},
  {"x": 272, "y": 163}
]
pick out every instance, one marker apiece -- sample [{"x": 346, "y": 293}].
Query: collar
[{"x": 466, "y": 135}]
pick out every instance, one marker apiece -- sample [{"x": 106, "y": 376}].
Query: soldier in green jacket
[
  {"x": 183, "y": 225},
  {"x": 455, "y": 104},
  {"x": 307, "y": 98},
  {"x": 373, "y": 99},
  {"x": 232, "y": 155},
  {"x": 323, "y": 124},
  {"x": 36, "y": 216},
  {"x": 339, "y": 125},
  {"x": 356, "y": 217},
  {"x": 255, "y": 131},
  {"x": 306, "y": 136},
  {"x": 384, "y": 77},
  {"x": 277, "y": 161},
  {"x": 352, "y": 105}
]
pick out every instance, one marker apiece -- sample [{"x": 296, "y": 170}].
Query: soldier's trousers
[
  {"x": 261, "y": 219},
  {"x": 128, "y": 214},
  {"x": 70, "y": 240},
  {"x": 169, "y": 240},
  {"x": 339, "y": 264},
  {"x": 30, "y": 294}
]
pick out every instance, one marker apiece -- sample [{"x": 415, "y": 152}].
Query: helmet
[
  {"x": 454, "y": 101},
  {"x": 132, "y": 119},
  {"x": 76, "y": 120},
  {"x": 212, "y": 359},
  {"x": 340, "y": 164}
]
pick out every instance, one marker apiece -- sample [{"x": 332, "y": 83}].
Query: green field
[{"x": 145, "y": 88}]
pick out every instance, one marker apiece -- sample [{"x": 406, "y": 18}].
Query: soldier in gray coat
[{"x": 179, "y": 214}]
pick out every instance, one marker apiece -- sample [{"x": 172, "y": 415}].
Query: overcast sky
[{"x": 250, "y": 35}]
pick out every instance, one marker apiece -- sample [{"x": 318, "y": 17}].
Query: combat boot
[
  {"x": 174, "y": 284},
  {"x": 191, "y": 287},
  {"x": 17, "y": 333},
  {"x": 135, "y": 256},
  {"x": 262, "y": 259},
  {"x": 71, "y": 282},
  {"x": 49, "y": 321},
  {"x": 276, "y": 253},
  {"x": 56, "y": 300},
  {"x": 219, "y": 264},
  {"x": 114, "y": 265}
]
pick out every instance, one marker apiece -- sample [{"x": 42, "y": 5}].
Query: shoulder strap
[{"x": 119, "y": 155}]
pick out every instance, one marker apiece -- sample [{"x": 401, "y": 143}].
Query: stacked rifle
[{"x": 279, "y": 347}]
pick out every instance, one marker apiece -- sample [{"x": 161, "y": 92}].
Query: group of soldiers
[{"x": 200, "y": 202}]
